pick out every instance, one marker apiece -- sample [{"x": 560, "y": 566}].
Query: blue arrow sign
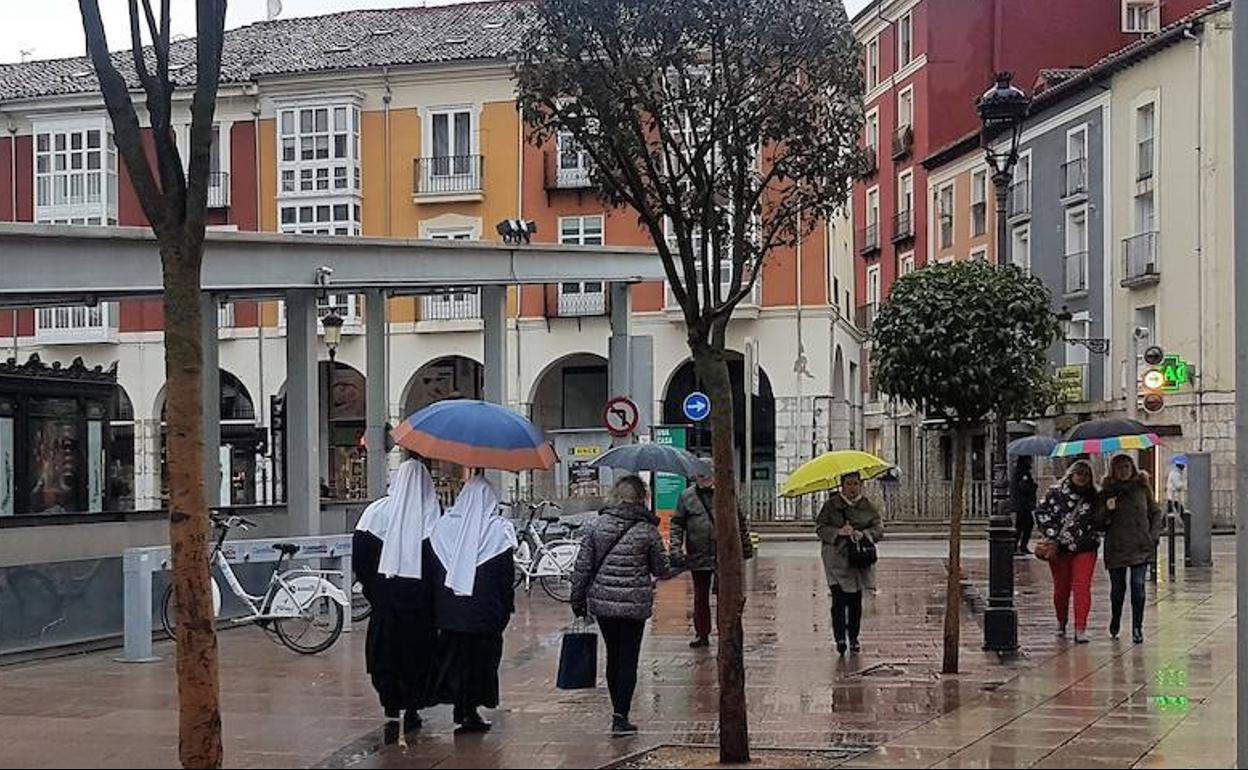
[{"x": 697, "y": 406}]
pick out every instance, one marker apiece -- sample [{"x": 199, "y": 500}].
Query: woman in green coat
[
  {"x": 847, "y": 517},
  {"x": 1132, "y": 521}
]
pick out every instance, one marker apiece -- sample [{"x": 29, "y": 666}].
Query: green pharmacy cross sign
[{"x": 1178, "y": 373}]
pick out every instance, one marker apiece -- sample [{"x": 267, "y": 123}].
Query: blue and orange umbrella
[{"x": 475, "y": 434}]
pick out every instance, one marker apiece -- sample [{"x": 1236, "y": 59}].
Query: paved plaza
[{"x": 1168, "y": 703}]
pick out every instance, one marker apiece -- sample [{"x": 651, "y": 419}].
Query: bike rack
[{"x": 139, "y": 564}]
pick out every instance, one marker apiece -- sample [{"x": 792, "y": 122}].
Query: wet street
[{"x": 1167, "y": 703}]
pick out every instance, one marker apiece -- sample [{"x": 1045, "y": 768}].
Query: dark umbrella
[
  {"x": 652, "y": 457},
  {"x": 1032, "y": 446}
]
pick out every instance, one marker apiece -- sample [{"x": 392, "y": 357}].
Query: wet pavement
[{"x": 1167, "y": 703}]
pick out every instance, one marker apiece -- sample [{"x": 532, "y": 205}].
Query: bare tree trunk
[
  {"x": 734, "y": 734},
  {"x": 953, "y": 587},
  {"x": 199, "y": 725}
]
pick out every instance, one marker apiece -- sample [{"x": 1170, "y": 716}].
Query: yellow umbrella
[{"x": 824, "y": 473}]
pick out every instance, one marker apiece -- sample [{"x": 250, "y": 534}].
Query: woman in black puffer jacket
[{"x": 621, "y": 554}]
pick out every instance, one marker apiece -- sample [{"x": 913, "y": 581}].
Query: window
[
  {"x": 1144, "y": 213},
  {"x": 980, "y": 254},
  {"x": 1077, "y": 329},
  {"x": 1139, "y": 16},
  {"x": 872, "y": 132},
  {"x": 1020, "y": 188},
  {"x": 1020, "y": 247},
  {"x": 573, "y": 164},
  {"x": 905, "y": 108},
  {"x": 1146, "y": 318},
  {"x": 905, "y": 40},
  {"x": 75, "y": 172},
  {"x": 453, "y": 305},
  {"x": 578, "y": 298},
  {"x": 873, "y": 285},
  {"x": 903, "y": 220},
  {"x": 979, "y": 203},
  {"x": 1144, "y": 120},
  {"x": 1075, "y": 170},
  {"x": 1076, "y": 258},
  {"x": 319, "y": 169},
  {"x": 871, "y": 234},
  {"x": 944, "y": 211},
  {"x": 873, "y": 63},
  {"x": 906, "y": 267},
  {"x": 452, "y": 142}
]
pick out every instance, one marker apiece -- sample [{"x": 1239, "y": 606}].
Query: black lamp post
[
  {"x": 332, "y": 324},
  {"x": 1002, "y": 110}
]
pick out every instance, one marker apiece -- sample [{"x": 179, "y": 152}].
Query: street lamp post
[
  {"x": 332, "y": 326},
  {"x": 1002, "y": 109}
]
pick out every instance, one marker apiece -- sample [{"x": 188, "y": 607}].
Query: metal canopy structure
[
  {"x": 51, "y": 264},
  {"x": 46, "y": 265}
]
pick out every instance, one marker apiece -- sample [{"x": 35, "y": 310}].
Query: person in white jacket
[{"x": 1176, "y": 503}]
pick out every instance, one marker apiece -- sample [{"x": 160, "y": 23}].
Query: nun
[
  {"x": 474, "y": 599},
  {"x": 394, "y": 564}
]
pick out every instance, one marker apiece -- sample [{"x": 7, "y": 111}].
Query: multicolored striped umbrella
[
  {"x": 1100, "y": 437},
  {"x": 475, "y": 434}
]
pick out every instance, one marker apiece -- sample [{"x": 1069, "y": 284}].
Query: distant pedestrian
[
  {"x": 1023, "y": 500},
  {"x": 1176, "y": 502},
  {"x": 847, "y": 519},
  {"x": 393, "y": 562},
  {"x": 474, "y": 599},
  {"x": 1069, "y": 522},
  {"x": 693, "y": 546},
  {"x": 621, "y": 554},
  {"x": 1132, "y": 521}
]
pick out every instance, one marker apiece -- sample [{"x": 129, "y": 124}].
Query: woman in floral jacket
[{"x": 1068, "y": 520}]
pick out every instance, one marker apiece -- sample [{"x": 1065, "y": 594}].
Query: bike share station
[{"x": 56, "y": 265}]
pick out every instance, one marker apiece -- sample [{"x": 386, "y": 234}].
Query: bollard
[
  {"x": 1200, "y": 508},
  {"x": 1170, "y": 545}
]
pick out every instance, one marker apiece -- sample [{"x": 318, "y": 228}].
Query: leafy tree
[
  {"x": 728, "y": 127},
  {"x": 962, "y": 342},
  {"x": 175, "y": 204}
]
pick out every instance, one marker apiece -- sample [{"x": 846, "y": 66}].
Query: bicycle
[
  {"x": 555, "y": 558},
  {"x": 298, "y": 601}
]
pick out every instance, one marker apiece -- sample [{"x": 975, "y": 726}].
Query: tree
[
  {"x": 175, "y": 205},
  {"x": 728, "y": 126},
  {"x": 961, "y": 342}
]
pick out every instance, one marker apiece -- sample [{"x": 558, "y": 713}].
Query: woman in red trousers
[{"x": 1068, "y": 522}]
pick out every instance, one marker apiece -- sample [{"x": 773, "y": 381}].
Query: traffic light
[{"x": 1153, "y": 381}]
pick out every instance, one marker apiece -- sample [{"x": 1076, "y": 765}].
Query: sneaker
[
  {"x": 1081, "y": 637},
  {"x": 699, "y": 643},
  {"x": 840, "y": 647},
  {"x": 621, "y": 727},
  {"x": 1137, "y": 636}
]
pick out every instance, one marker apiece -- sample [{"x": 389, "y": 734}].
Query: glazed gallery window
[
  {"x": 320, "y": 150},
  {"x": 75, "y": 173}
]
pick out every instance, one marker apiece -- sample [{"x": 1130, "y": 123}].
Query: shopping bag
[{"x": 578, "y": 658}]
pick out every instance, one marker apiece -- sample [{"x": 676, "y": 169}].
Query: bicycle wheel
[
  {"x": 314, "y": 629},
  {"x": 561, "y": 558},
  {"x": 168, "y": 612},
  {"x": 360, "y": 608}
]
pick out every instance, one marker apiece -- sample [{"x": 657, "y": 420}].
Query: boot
[{"x": 621, "y": 727}]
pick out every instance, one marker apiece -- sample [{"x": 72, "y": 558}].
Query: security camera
[
  {"x": 1142, "y": 333},
  {"x": 323, "y": 274}
]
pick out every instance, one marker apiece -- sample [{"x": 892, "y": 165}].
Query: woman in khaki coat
[{"x": 847, "y": 517}]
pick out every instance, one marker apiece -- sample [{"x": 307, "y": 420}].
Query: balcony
[
  {"x": 865, "y": 317},
  {"x": 448, "y": 178},
  {"x": 903, "y": 142},
  {"x": 869, "y": 239},
  {"x": 748, "y": 307},
  {"x": 1075, "y": 178},
  {"x": 566, "y": 172},
  {"x": 870, "y": 162},
  {"x": 1140, "y": 260},
  {"x": 1075, "y": 270},
  {"x": 76, "y": 325},
  {"x": 581, "y": 300},
  {"x": 456, "y": 308},
  {"x": 903, "y": 226},
  {"x": 218, "y": 189},
  {"x": 1144, "y": 160},
  {"x": 1020, "y": 199}
]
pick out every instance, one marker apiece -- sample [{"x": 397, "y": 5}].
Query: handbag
[
  {"x": 578, "y": 658},
  {"x": 862, "y": 553},
  {"x": 1045, "y": 550}
]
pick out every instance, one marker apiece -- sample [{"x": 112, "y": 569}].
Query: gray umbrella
[
  {"x": 1032, "y": 446},
  {"x": 652, "y": 457}
]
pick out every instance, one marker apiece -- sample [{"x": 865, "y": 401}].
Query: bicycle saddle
[
  {"x": 286, "y": 549},
  {"x": 550, "y": 519}
]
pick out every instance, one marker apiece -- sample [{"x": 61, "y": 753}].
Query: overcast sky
[{"x": 48, "y": 29}]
